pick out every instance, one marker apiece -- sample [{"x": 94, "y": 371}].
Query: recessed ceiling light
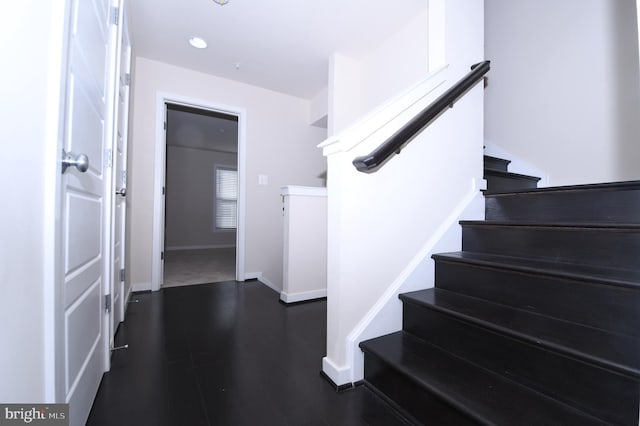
[{"x": 197, "y": 42}]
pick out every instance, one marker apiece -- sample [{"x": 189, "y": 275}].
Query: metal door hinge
[
  {"x": 109, "y": 158},
  {"x": 161, "y": 255},
  {"x": 107, "y": 302},
  {"x": 122, "y": 274},
  {"x": 115, "y": 15},
  {"x": 127, "y": 79}
]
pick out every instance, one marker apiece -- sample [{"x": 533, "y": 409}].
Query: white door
[
  {"x": 119, "y": 293},
  {"x": 86, "y": 203}
]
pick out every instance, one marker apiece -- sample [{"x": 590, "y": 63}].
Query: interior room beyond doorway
[{"x": 201, "y": 196}]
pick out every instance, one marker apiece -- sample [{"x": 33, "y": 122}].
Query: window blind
[{"x": 226, "y": 198}]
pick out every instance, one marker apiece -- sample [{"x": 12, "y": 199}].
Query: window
[{"x": 226, "y": 197}]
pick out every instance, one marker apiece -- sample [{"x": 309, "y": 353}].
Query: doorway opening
[{"x": 201, "y": 195}]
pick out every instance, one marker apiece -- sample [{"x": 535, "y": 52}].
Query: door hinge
[
  {"x": 161, "y": 255},
  {"x": 109, "y": 158},
  {"x": 127, "y": 79},
  {"x": 107, "y": 302},
  {"x": 122, "y": 274},
  {"x": 163, "y": 190},
  {"x": 165, "y": 125},
  {"x": 115, "y": 15}
]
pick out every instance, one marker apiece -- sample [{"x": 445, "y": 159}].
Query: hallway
[{"x": 226, "y": 354}]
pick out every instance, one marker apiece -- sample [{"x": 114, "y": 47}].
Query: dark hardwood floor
[{"x": 226, "y": 354}]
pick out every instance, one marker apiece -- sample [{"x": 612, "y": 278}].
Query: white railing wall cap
[
  {"x": 383, "y": 114},
  {"x": 309, "y": 191}
]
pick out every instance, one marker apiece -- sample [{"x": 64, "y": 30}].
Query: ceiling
[{"x": 281, "y": 45}]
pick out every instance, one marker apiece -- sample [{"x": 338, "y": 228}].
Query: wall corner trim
[
  {"x": 339, "y": 375},
  {"x": 137, "y": 287},
  {"x": 302, "y": 296}
]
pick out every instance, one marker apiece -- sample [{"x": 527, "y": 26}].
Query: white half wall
[
  {"x": 305, "y": 243},
  {"x": 280, "y": 144},
  {"x": 382, "y": 224},
  {"x": 564, "y": 88},
  {"x": 378, "y": 223},
  {"x": 386, "y": 314}
]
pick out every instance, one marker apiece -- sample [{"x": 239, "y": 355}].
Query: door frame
[{"x": 162, "y": 99}]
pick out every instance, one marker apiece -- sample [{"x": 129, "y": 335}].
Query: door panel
[
  {"x": 86, "y": 120},
  {"x": 76, "y": 283},
  {"x": 85, "y": 203},
  {"x": 83, "y": 336},
  {"x": 84, "y": 218}
]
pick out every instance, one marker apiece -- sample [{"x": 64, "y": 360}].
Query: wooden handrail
[{"x": 378, "y": 157}]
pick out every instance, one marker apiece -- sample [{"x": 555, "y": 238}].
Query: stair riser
[
  {"x": 414, "y": 400},
  {"x": 591, "y": 389},
  {"x": 606, "y": 247},
  {"x": 506, "y": 183},
  {"x": 612, "y": 308},
  {"x": 595, "y": 206},
  {"x": 492, "y": 163}
]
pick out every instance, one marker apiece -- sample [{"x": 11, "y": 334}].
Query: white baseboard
[
  {"x": 260, "y": 277},
  {"x": 141, "y": 287},
  {"x": 206, "y": 247},
  {"x": 302, "y": 296},
  {"x": 339, "y": 375},
  {"x": 127, "y": 298},
  {"x": 252, "y": 276}
]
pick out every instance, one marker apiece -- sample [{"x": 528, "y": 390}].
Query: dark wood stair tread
[
  {"x": 616, "y": 352},
  {"x": 581, "y": 272},
  {"x": 482, "y": 395},
  {"x": 541, "y": 225},
  {"x": 510, "y": 175},
  {"x": 494, "y": 163},
  {"x": 609, "y": 186}
]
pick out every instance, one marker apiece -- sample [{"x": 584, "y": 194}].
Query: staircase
[{"x": 535, "y": 322}]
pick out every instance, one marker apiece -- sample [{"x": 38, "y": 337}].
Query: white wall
[
  {"x": 383, "y": 225},
  {"x": 31, "y": 46},
  {"x": 190, "y": 201},
  {"x": 318, "y": 108},
  {"x": 398, "y": 63},
  {"x": 360, "y": 82},
  {"x": 344, "y": 92},
  {"x": 280, "y": 143},
  {"x": 564, "y": 89}
]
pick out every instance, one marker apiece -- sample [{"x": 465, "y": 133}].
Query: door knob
[
  {"x": 80, "y": 161},
  {"x": 121, "y": 191}
]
